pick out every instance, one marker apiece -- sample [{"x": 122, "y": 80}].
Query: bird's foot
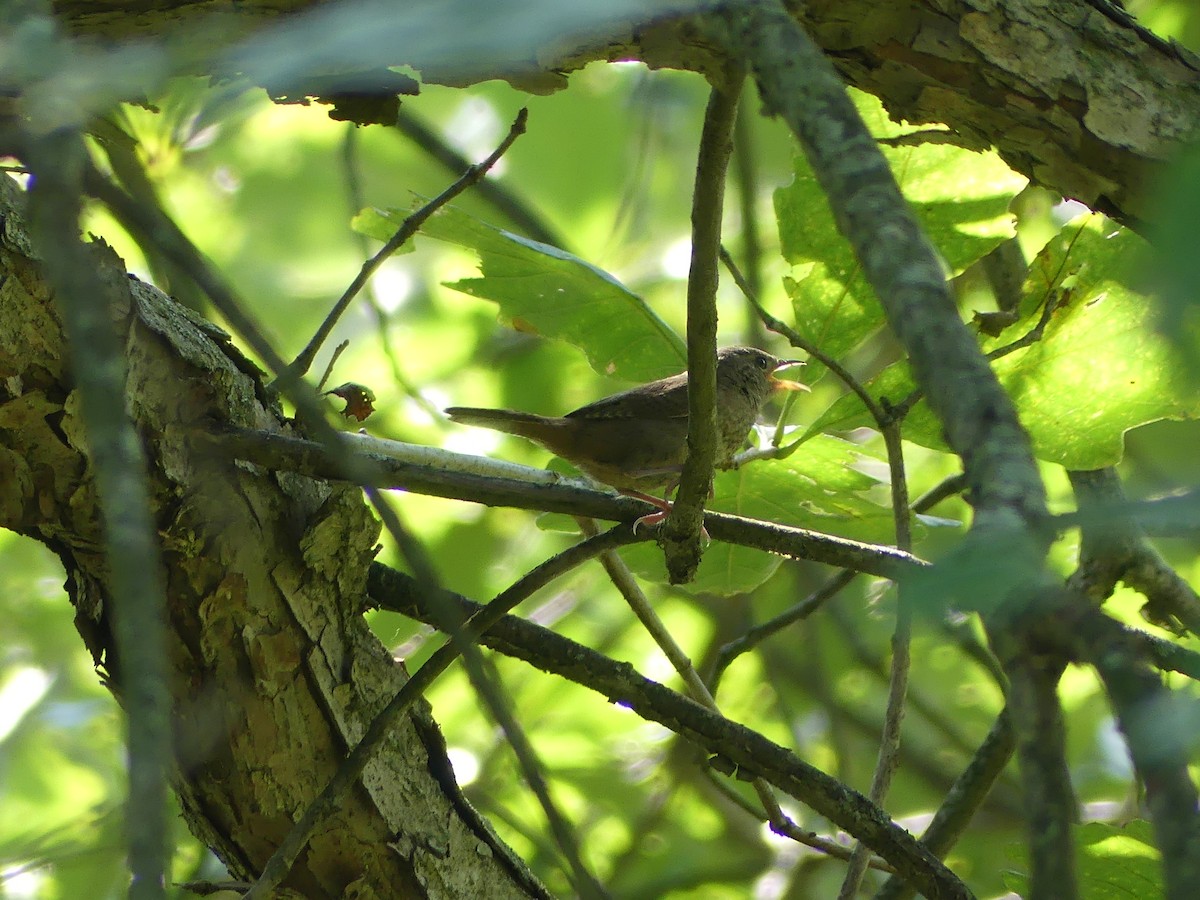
[
  {"x": 654, "y": 518},
  {"x": 651, "y": 519},
  {"x": 657, "y": 518}
]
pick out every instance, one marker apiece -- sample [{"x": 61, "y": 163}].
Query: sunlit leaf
[
  {"x": 960, "y": 197},
  {"x": 1114, "y": 862},
  {"x": 547, "y": 291},
  {"x": 1100, "y": 368},
  {"x": 821, "y": 487}
]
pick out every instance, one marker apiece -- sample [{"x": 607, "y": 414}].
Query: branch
[
  {"x": 479, "y": 621},
  {"x": 548, "y": 493},
  {"x": 736, "y": 747},
  {"x": 681, "y": 536}
]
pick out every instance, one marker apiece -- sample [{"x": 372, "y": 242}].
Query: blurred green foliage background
[{"x": 268, "y": 192}]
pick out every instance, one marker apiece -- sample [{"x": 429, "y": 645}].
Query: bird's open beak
[{"x": 782, "y": 384}]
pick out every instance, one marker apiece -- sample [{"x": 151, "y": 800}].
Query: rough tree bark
[
  {"x": 1072, "y": 93},
  {"x": 275, "y": 671}
]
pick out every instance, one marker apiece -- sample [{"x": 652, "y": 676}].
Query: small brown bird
[{"x": 636, "y": 440}]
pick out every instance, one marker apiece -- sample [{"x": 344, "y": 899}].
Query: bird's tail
[{"x": 526, "y": 425}]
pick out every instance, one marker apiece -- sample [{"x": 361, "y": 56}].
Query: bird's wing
[{"x": 664, "y": 399}]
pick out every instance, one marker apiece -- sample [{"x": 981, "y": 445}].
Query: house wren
[{"x": 637, "y": 440}]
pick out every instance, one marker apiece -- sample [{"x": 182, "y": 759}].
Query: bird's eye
[{"x": 762, "y": 362}]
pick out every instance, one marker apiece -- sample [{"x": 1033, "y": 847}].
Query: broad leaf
[
  {"x": 820, "y": 487},
  {"x": 1114, "y": 863},
  {"x": 548, "y": 291},
  {"x": 961, "y": 198},
  {"x": 1102, "y": 365},
  {"x": 1100, "y": 368}
]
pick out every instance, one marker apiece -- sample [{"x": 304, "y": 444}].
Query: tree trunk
[{"x": 275, "y": 673}]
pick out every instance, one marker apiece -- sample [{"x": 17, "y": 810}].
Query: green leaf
[
  {"x": 820, "y": 487},
  {"x": 1102, "y": 366},
  {"x": 960, "y": 197},
  {"x": 382, "y": 225},
  {"x": 1115, "y": 863},
  {"x": 550, "y": 292},
  {"x": 847, "y": 412}
]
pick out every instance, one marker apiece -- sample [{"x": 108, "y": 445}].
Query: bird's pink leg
[
  {"x": 664, "y": 508},
  {"x": 656, "y": 518}
]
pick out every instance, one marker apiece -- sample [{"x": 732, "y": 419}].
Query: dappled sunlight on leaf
[{"x": 557, "y": 295}]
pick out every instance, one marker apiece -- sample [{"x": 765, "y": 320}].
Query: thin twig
[
  {"x": 333, "y": 358},
  {"x": 503, "y": 200},
  {"x": 406, "y": 230},
  {"x": 796, "y": 613}
]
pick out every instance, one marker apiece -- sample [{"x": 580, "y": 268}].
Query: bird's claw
[
  {"x": 654, "y": 518},
  {"x": 657, "y": 518}
]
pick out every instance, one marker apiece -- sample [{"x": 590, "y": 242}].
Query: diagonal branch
[
  {"x": 734, "y": 747},
  {"x": 473, "y": 627}
]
